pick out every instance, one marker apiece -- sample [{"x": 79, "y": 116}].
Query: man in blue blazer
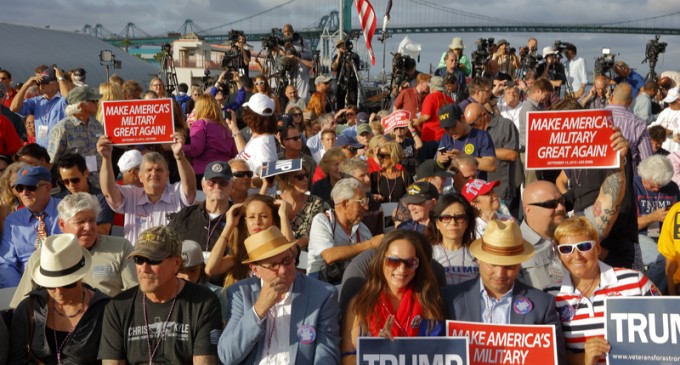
[
  {"x": 497, "y": 296},
  {"x": 279, "y": 316}
]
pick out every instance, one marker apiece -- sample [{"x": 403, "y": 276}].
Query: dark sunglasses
[
  {"x": 241, "y": 174},
  {"x": 141, "y": 260},
  {"x": 394, "y": 262},
  {"x": 382, "y": 156},
  {"x": 220, "y": 182},
  {"x": 568, "y": 249},
  {"x": 550, "y": 204},
  {"x": 300, "y": 177},
  {"x": 69, "y": 286},
  {"x": 273, "y": 266},
  {"x": 74, "y": 181},
  {"x": 21, "y": 188},
  {"x": 296, "y": 138},
  {"x": 458, "y": 218},
  {"x": 352, "y": 149}
]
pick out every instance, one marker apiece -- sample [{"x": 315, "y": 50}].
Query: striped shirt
[
  {"x": 634, "y": 130},
  {"x": 583, "y": 318}
]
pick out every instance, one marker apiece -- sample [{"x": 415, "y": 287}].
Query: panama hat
[
  {"x": 502, "y": 244},
  {"x": 62, "y": 262},
  {"x": 266, "y": 244}
]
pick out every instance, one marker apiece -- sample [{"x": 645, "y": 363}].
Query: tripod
[
  {"x": 168, "y": 74},
  {"x": 349, "y": 91}
]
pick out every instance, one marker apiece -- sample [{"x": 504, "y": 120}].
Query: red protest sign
[
  {"x": 570, "y": 139},
  {"x": 398, "y": 119},
  {"x": 500, "y": 344},
  {"x": 139, "y": 121}
]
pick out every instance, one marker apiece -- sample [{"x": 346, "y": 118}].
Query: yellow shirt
[{"x": 669, "y": 240}]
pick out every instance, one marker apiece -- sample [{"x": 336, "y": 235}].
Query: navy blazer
[
  {"x": 462, "y": 301},
  {"x": 314, "y": 310}
]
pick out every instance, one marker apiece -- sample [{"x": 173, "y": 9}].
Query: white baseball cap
[
  {"x": 672, "y": 96},
  {"x": 547, "y": 51},
  {"x": 129, "y": 160},
  {"x": 261, "y": 104}
]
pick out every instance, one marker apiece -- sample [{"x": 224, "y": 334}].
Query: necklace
[
  {"x": 390, "y": 190},
  {"x": 80, "y": 310},
  {"x": 161, "y": 331},
  {"x": 211, "y": 231},
  {"x": 582, "y": 295},
  {"x": 58, "y": 346},
  {"x": 396, "y": 321}
]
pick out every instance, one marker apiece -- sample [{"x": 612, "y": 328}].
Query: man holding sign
[
  {"x": 147, "y": 206},
  {"x": 497, "y": 296}
]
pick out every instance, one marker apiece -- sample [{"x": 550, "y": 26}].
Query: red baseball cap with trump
[{"x": 477, "y": 187}]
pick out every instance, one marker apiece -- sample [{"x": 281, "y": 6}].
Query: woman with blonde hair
[
  {"x": 330, "y": 165},
  {"x": 391, "y": 182},
  {"x": 210, "y": 136},
  {"x": 254, "y": 215},
  {"x": 109, "y": 91},
  {"x": 9, "y": 198}
]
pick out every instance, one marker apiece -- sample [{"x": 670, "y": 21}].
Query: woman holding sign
[
  {"x": 211, "y": 139},
  {"x": 581, "y": 295},
  {"x": 400, "y": 297}
]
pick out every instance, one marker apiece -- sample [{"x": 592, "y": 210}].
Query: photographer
[
  {"x": 238, "y": 52},
  {"x": 507, "y": 59},
  {"x": 552, "y": 69},
  {"x": 345, "y": 67}
]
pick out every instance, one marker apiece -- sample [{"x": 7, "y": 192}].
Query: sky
[{"x": 162, "y": 16}]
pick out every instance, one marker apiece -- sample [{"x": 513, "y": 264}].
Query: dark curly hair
[{"x": 258, "y": 123}]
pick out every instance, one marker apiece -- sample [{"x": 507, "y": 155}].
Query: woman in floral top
[{"x": 305, "y": 206}]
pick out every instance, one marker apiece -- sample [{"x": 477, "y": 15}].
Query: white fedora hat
[{"x": 62, "y": 262}]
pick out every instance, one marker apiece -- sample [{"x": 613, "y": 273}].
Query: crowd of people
[{"x": 189, "y": 252}]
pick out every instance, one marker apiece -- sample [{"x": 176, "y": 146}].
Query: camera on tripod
[
  {"x": 560, "y": 46},
  {"x": 605, "y": 63},
  {"x": 654, "y": 47},
  {"x": 400, "y": 63},
  {"x": 273, "y": 40},
  {"x": 232, "y": 57},
  {"x": 481, "y": 55}
]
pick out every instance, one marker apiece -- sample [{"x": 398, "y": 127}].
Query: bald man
[
  {"x": 505, "y": 137},
  {"x": 544, "y": 210},
  {"x": 630, "y": 76},
  {"x": 598, "y": 96},
  {"x": 633, "y": 128}
]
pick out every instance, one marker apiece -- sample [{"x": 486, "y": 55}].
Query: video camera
[
  {"x": 400, "y": 63},
  {"x": 273, "y": 40},
  {"x": 232, "y": 57},
  {"x": 605, "y": 63},
  {"x": 654, "y": 48},
  {"x": 560, "y": 46},
  {"x": 481, "y": 55}
]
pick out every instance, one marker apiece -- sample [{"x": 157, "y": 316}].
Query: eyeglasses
[
  {"x": 300, "y": 177},
  {"x": 362, "y": 201},
  {"x": 74, "y": 181},
  {"x": 394, "y": 262},
  {"x": 29, "y": 188},
  {"x": 258, "y": 83},
  {"x": 458, "y": 218},
  {"x": 69, "y": 286},
  {"x": 221, "y": 182},
  {"x": 273, "y": 266},
  {"x": 242, "y": 174},
  {"x": 568, "y": 249},
  {"x": 382, "y": 156},
  {"x": 550, "y": 204},
  {"x": 296, "y": 138},
  {"x": 141, "y": 260}
]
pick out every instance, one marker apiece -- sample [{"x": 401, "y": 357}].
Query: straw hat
[
  {"x": 62, "y": 261},
  {"x": 502, "y": 244},
  {"x": 266, "y": 244}
]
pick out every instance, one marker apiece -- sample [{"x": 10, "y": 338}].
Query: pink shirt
[{"x": 209, "y": 142}]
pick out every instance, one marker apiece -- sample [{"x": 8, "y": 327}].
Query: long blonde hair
[
  {"x": 110, "y": 91},
  {"x": 7, "y": 198},
  {"x": 207, "y": 108}
]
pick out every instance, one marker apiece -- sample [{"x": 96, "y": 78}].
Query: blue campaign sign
[
  {"x": 643, "y": 330},
  {"x": 280, "y": 167},
  {"x": 413, "y": 351}
]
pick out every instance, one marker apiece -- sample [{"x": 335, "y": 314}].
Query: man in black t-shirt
[{"x": 164, "y": 319}]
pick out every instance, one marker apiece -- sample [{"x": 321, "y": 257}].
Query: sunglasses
[
  {"x": 382, "y": 156},
  {"x": 69, "y": 286},
  {"x": 550, "y": 204},
  {"x": 220, "y": 182},
  {"x": 458, "y": 218},
  {"x": 296, "y": 138},
  {"x": 568, "y": 249},
  {"x": 394, "y": 262},
  {"x": 74, "y": 181},
  {"x": 141, "y": 260},
  {"x": 300, "y": 177},
  {"x": 242, "y": 174},
  {"x": 29, "y": 188},
  {"x": 351, "y": 149},
  {"x": 258, "y": 83},
  {"x": 273, "y": 266}
]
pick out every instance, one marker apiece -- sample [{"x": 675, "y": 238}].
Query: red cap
[{"x": 477, "y": 187}]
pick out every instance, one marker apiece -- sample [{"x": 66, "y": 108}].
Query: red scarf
[{"x": 407, "y": 319}]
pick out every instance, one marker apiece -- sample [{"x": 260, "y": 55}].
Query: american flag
[{"x": 367, "y": 20}]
